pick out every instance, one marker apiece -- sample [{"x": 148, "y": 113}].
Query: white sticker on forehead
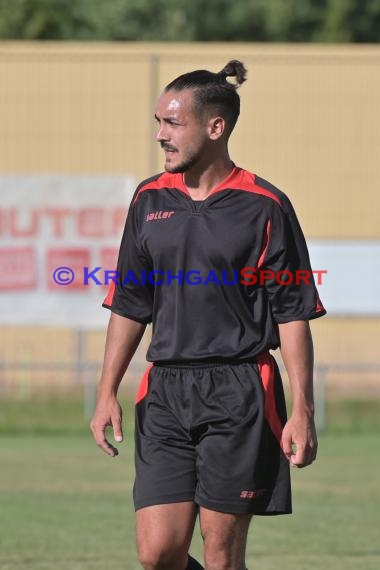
[{"x": 174, "y": 105}]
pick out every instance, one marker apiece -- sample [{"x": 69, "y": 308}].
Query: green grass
[
  {"x": 66, "y": 506},
  {"x": 52, "y": 415},
  {"x": 353, "y": 415}
]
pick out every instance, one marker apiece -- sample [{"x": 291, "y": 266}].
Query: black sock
[{"x": 192, "y": 564}]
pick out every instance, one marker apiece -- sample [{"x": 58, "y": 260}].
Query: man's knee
[
  {"x": 163, "y": 535},
  {"x": 161, "y": 557}
]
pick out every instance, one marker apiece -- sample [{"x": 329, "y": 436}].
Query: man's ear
[{"x": 216, "y": 128}]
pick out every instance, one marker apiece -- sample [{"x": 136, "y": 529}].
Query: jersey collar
[{"x": 228, "y": 183}]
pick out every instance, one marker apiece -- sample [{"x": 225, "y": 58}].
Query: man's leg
[
  {"x": 164, "y": 534},
  {"x": 225, "y": 539}
]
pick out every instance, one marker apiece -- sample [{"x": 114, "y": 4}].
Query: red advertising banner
[
  {"x": 64, "y": 268},
  {"x": 52, "y": 230},
  {"x": 18, "y": 268}
]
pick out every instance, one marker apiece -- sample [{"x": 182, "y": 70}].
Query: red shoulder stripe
[
  {"x": 166, "y": 180},
  {"x": 248, "y": 183},
  {"x": 240, "y": 179}
]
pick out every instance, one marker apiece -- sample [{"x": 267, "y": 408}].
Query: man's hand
[
  {"x": 108, "y": 412},
  {"x": 299, "y": 438},
  {"x": 299, "y": 433},
  {"x": 123, "y": 337}
]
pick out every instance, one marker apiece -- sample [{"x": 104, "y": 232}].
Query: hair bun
[{"x": 234, "y": 68}]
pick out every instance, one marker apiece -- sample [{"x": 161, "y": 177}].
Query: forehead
[{"x": 175, "y": 103}]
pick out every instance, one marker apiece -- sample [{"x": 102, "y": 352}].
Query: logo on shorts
[
  {"x": 160, "y": 215},
  {"x": 252, "y": 494}
]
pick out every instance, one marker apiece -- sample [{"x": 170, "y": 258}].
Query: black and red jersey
[{"x": 205, "y": 305}]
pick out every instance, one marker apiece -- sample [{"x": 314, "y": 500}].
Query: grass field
[{"x": 66, "y": 506}]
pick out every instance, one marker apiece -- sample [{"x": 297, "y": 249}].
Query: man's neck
[{"x": 201, "y": 181}]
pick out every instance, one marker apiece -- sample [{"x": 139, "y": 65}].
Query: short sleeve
[
  {"x": 131, "y": 294},
  {"x": 291, "y": 292}
]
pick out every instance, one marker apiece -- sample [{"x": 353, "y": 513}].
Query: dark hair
[{"x": 213, "y": 90}]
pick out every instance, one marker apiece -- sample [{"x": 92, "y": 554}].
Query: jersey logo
[
  {"x": 160, "y": 215},
  {"x": 252, "y": 494}
]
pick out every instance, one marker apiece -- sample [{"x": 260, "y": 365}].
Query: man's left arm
[{"x": 299, "y": 438}]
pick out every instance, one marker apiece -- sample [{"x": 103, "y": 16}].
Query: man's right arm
[{"x": 123, "y": 338}]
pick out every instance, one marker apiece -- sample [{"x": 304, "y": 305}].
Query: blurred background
[{"x": 78, "y": 86}]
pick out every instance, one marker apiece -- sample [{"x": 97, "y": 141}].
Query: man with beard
[{"x": 212, "y": 436}]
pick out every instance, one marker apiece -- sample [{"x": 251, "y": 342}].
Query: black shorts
[{"x": 211, "y": 434}]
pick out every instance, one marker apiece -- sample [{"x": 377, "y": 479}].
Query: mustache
[{"x": 168, "y": 147}]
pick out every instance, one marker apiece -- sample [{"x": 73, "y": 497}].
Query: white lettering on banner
[{"x": 49, "y": 222}]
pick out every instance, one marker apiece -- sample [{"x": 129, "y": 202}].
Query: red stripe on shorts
[
  {"x": 143, "y": 388},
  {"x": 266, "y": 371}
]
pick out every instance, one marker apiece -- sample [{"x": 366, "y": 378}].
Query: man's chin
[
  {"x": 183, "y": 166},
  {"x": 174, "y": 169}
]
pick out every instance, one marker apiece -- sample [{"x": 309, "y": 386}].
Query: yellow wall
[{"x": 309, "y": 123}]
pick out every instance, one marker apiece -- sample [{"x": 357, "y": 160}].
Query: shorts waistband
[{"x": 210, "y": 363}]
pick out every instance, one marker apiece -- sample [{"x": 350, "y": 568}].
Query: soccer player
[{"x": 214, "y": 257}]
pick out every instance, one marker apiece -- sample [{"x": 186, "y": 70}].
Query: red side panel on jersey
[
  {"x": 143, "y": 388},
  {"x": 265, "y": 244},
  {"x": 108, "y": 300},
  {"x": 266, "y": 371},
  {"x": 319, "y": 307}
]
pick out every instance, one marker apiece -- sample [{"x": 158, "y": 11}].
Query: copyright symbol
[{"x": 63, "y": 275}]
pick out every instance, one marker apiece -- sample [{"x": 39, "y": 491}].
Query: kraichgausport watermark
[{"x": 247, "y": 276}]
